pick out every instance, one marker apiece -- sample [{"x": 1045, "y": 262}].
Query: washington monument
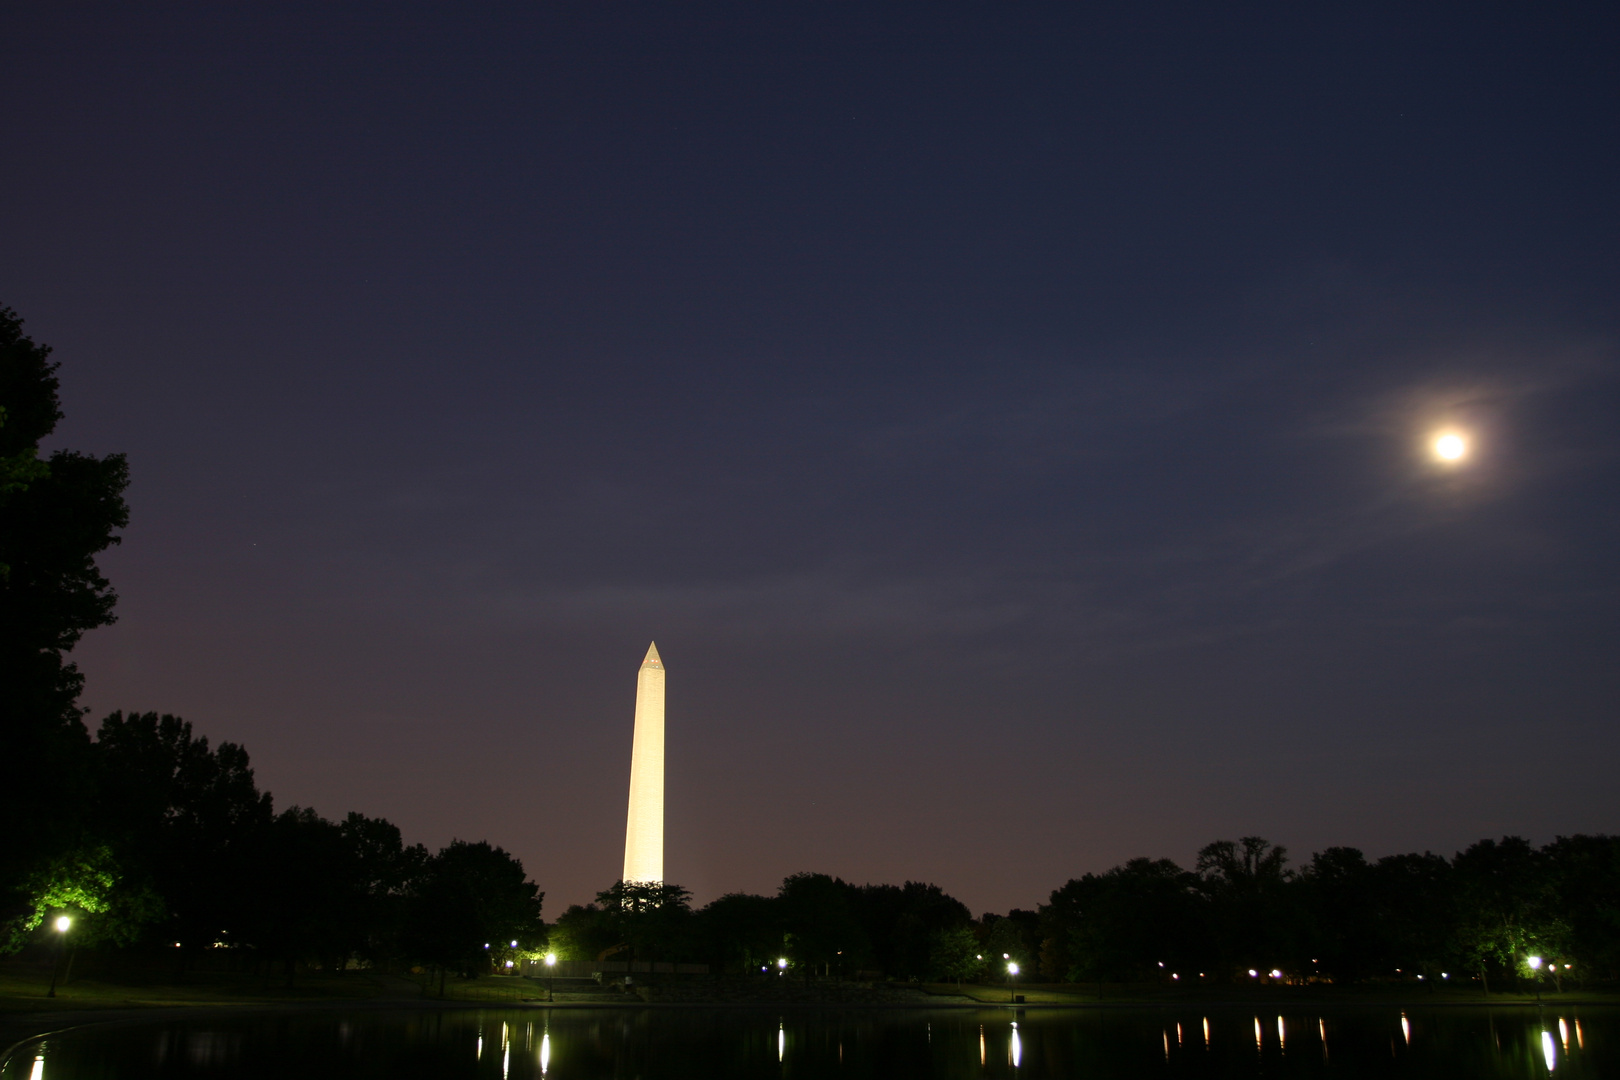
[{"x": 644, "y": 828}]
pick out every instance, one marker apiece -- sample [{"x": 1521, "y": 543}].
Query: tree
[
  {"x": 471, "y": 898},
  {"x": 582, "y": 933},
  {"x": 741, "y": 931},
  {"x": 649, "y": 917},
  {"x": 1339, "y": 893},
  {"x": 899, "y": 922},
  {"x": 18, "y": 468},
  {"x": 1125, "y": 923},
  {"x": 1412, "y": 900},
  {"x": 1506, "y": 907},
  {"x": 88, "y": 886},
  {"x": 184, "y": 819},
  {"x": 1015, "y": 936},
  {"x": 331, "y": 892},
  {"x": 1586, "y": 881},
  {"x": 382, "y": 871},
  {"x": 303, "y": 894},
  {"x": 55, "y": 518},
  {"x": 955, "y": 954},
  {"x": 819, "y": 921},
  {"x": 1253, "y": 918}
]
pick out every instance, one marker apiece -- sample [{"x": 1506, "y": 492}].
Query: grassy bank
[{"x": 23, "y": 989}]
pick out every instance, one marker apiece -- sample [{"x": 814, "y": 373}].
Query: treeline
[
  {"x": 820, "y": 924},
  {"x": 1482, "y": 913},
  {"x": 179, "y": 851},
  {"x": 1241, "y": 913}
]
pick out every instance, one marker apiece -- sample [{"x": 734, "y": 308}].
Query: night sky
[{"x": 1010, "y": 420}]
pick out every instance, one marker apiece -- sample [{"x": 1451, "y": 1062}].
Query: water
[{"x": 663, "y": 1044}]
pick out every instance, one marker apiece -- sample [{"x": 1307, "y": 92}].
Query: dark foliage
[
  {"x": 1345, "y": 919},
  {"x": 56, "y": 516},
  {"x": 472, "y": 898}
]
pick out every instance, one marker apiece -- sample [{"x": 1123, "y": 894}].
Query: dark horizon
[{"x": 1011, "y": 423}]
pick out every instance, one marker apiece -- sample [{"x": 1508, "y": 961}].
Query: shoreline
[{"x": 22, "y": 1028}]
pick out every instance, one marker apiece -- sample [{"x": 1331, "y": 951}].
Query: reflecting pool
[{"x": 652, "y": 1044}]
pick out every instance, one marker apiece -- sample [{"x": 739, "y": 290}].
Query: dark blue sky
[{"x": 1009, "y": 419}]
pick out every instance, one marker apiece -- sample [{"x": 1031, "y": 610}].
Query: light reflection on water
[{"x": 653, "y": 1044}]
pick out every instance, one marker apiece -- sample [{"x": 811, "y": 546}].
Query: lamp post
[
  {"x": 62, "y": 924},
  {"x": 551, "y": 969},
  {"x": 1535, "y": 974},
  {"x": 1012, "y": 969}
]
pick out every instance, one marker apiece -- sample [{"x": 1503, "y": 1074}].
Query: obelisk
[{"x": 644, "y": 828}]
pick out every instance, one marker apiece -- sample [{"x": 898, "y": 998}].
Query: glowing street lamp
[
  {"x": 1012, "y": 969},
  {"x": 62, "y": 923},
  {"x": 1535, "y": 969},
  {"x": 551, "y": 970}
]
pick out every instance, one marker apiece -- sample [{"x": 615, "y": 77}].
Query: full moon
[{"x": 1450, "y": 446}]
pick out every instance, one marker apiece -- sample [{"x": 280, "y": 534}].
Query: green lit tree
[
  {"x": 1506, "y": 907},
  {"x": 89, "y": 886},
  {"x": 56, "y": 516},
  {"x": 956, "y": 954},
  {"x": 582, "y": 932}
]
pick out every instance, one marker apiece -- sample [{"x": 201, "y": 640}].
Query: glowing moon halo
[{"x": 1450, "y": 446}]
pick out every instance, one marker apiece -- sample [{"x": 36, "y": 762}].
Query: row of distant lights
[{"x": 1536, "y": 963}]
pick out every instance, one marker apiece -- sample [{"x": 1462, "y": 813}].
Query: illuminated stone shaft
[{"x": 644, "y": 827}]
